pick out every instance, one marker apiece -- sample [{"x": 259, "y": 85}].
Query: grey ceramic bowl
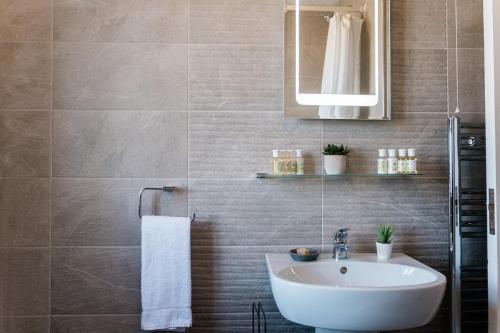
[{"x": 313, "y": 255}]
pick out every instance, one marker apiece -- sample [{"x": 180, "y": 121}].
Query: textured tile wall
[{"x": 99, "y": 99}]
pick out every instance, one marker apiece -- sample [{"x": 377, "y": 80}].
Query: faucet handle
[{"x": 340, "y": 236}]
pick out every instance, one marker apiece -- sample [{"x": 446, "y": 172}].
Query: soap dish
[{"x": 313, "y": 255}]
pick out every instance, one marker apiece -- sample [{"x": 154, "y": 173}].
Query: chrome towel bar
[{"x": 163, "y": 189}]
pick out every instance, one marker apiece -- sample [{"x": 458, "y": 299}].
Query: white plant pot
[
  {"x": 334, "y": 164},
  {"x": 384, "y": 251}
]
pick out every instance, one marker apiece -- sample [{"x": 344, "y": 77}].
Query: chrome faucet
[{"x": 340, "y": 244}]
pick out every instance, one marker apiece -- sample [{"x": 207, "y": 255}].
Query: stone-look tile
[
  {"x": 236, "y": 22},
  {"x": 470, "y": 23},
  {"x": 24, "y": 324},
  {"x": 25, "y": 148},
  {"x": 24, "y": 212},
  {"x": 96, "y": 324},
  {"x": 25, "y": 69},
  {"x": 419, "y": 80},
  {"x": 425, "y": 132},
  {"x": 103, "y": 212},
  {"x": 95, "y": 280},
  {"x": 120, "y": 76},
  {"x": 162, "y": 21},
  {"x": 239, "y": 144},
  {"x": 236, "y": 77},
  {"x": 25, "y": 20},
  {"x": 24, "y": 281},
  {"x": 251, "y": 212},
  {"x": 148, "y": 144},
  {"x": 418, "y": 24},
  {"x": 470, "y": 80}
]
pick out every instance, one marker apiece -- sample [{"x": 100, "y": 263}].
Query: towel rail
[{"x": 163, "y": 189}]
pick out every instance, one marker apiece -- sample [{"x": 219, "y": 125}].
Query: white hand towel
[{"x": 166, "y": 273}]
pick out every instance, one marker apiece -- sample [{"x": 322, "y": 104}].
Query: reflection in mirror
[{"x": 337, "y": 59}]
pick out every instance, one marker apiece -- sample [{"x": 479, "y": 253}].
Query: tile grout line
[{"x": 51, "y": 158}]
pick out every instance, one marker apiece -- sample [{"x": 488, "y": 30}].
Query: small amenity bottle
[
  {"x": 402, "y": 162},
  {"x": 275, "y": 164},
  {"x": 299, "y": 160},
  {"x": 412, "y": 162},
  {"x": 382, "y": 162},
  {"x": 392, "y": 162}
]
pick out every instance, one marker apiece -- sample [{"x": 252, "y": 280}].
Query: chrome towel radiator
[{"x": 163, "y": 189}]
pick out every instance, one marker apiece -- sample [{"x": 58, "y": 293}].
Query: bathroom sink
[{"x": 358, "y": 294}]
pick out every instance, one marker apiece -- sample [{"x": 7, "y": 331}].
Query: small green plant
[
  {"x": 331, "y": 149},
  {"x": 384, "y": 233}
]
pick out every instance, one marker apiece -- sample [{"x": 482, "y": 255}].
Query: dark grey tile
[
  {"x": 120, "y": 76},
  {"x": 25, "y": 20},
  {"x": 24, "y": 324},
  {"x": 148, "y": 144},
  {"x": 236, "y": 77},
  {"x": 252, "y": 212},
  {"x": 101, "y": 212},
  {"x": 25, "y": 69},
  {"x": 25, "y": 149},
  {"x": 236, "y": 22},
  {"x": 239, "y": 144},
  {"x": 24, "y": 212},
  {"x": 95, "y": 280},
  {"x": 419, "y": 80},
  {"x": 24, "y": 281},
  {"x": 96, "y": 324}
]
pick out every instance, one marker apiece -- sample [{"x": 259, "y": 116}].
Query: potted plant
[
  {"x": 335, "y": 159},
  {"x": 384, "y": 244}
]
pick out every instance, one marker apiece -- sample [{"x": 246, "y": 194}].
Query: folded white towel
[{"x": 166, "y": 273}]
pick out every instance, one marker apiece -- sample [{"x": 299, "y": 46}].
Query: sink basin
[{"x": 360, "y": 294}]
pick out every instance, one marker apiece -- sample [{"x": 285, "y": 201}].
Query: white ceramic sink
[{"x": 356, "y": 295}]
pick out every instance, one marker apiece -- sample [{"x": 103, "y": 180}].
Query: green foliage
[
  {"x": 331, "y": 149},
  {"x": 384, "y": 233}
]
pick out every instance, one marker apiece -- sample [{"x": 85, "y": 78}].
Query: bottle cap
[
  {"x": 382, "y": 152},
  {"x": 276, "y": 153},
  {"x": 402, "y": 152},
  {"x": 411, "y": 152},
  {"x": 392, "y": 152},
  {"x": 298, "y": 153}
]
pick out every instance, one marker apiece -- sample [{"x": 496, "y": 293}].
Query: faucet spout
[{"x": 340, "y": 244}]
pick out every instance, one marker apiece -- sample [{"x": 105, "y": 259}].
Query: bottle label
[
  {"x": 382, "y": 166},
  {"x": 402, "y": 166},
  {"x": 412, "y": 166},
  {"x": 392, "y": 167}
]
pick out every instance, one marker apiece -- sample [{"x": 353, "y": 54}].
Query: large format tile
[
  {"x": 24, "y": 324},
  {"x": 24, "y": 212},
  {"x": 96, "y": 324},
  {"x": 239, "y": 144},
  {"x": 120, "y": 76},
  {"x": 104, "y": 211},
  {"x": 95, "y": 280},
  {"x": 419, "y": 80},
  {"x": 121, "y": 21},
  {"x": 418, "y": 24},
  {"x": 25, "y": 20},
  {"x": 148, "y": 144},
  {"x": 470, "y": 23},
  {"x": 25, "y": 69},
  {"x": 25, "y": 148},
  {"x": 24, "y": 281},
  {"x": 236, "y": 22},
  {"x": 236, "y": 77},
  {"x": 426, "y": 132},
  {"x": 253, "y": 212}
]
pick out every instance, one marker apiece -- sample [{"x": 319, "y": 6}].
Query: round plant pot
[
  {"x": 384, "y": 251},
  {"x": 334, "y": 164}
]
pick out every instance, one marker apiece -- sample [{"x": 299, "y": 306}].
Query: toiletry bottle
[
  {"x": 275, "y": 161},
  {"x": 299, "y": 160},
  {"x": 382, "y": 162},
  {"x": 402, "y": 162},
  {"x": 292, "y": 163},
  {"x": 412, "y": 162},
  {"x": 392, "y": 162}
]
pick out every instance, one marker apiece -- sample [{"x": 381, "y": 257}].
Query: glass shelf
[{"x": 261, "y": 175}]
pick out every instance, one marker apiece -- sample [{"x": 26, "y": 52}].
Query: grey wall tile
[
  {"x": 24, "y": 212},
  {"x": 96, "y": 324},
  {"x": 426, "y": 132},
  {"x": 236, "y": 77},
  {"x": 95, "y": 280},
  {"x": 24, "y": 324},
  {"x": 419, "y": 80},
  {"x": 121, "y": 21},
  {"x": 418, "y": 24},
  {"x": 120, "y": 144},
  {"x": 250, "y": 212},
  {"x": 25, "y": 20},
  {"x": 120, "y": 76},
  {"x": 24, "y": 281},
  {"x": 25, "y": 149},
  {"x": 470, "y": 23},
  {"x": 239, "y": 144},
  {"x": 25, "y": 69},
  {"x": 104, "y": 211},
  {"x": 236, "y": 22}
]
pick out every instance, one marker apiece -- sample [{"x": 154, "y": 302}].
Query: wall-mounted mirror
[{"x": 337, "y": 59}]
